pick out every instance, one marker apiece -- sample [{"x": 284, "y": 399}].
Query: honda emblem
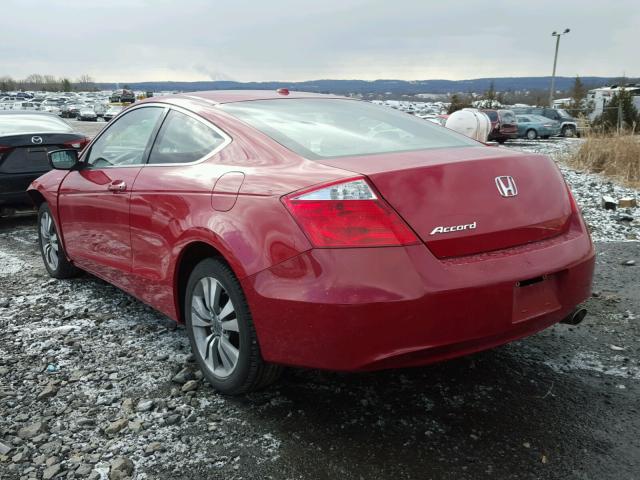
[{"x": 506, "y": 186}]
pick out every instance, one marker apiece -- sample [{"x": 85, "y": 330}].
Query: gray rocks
[
  {"x": 190, "y": 386},
  {"x": 83, "y": 470},
  {"x": 120, "y": 468},
  {"x": 49, "y": 391},
  {"x": 31, "y": 431},
  {"x": 4, "y": 449},
  {"x": 51, "y": 471},
  {"x": 144, "y": 405},
  {"x": 116, "y": 426},
  {"x": 183, "y": 376},
  {"x": 153, "y": 447},
  {"x": 173, "y": 419}
]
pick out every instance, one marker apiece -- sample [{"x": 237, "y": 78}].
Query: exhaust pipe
[{"x": 575, "y": 317}]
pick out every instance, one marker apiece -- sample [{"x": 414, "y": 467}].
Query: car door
[
  {"x": 523, "y": 125},
  {"x": 93, "y": 201},
  {"x": 175, "y": 186}
]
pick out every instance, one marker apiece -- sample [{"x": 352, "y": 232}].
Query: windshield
[
  {"x": 563, "y": 113},
  {"x": 17, "y": 124},
  {"x": 328, "y": 128}
]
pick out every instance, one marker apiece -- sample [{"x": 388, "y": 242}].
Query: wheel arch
[
  {"x": 36, "y": 197},
  {"x": 190, "y": 255}
]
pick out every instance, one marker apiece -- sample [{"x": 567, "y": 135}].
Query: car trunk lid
[
  {"x": 454, "y": 202},
  {"x": 27, "y": 153}
]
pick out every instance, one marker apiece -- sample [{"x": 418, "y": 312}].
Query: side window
[
  {"x": 125, "y": 142},
  {"x": 183, "y": 139}
]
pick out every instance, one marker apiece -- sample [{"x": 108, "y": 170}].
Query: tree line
[{"x": 47, "y": 83}]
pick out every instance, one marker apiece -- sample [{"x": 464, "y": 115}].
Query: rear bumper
[
  {"x": 368, "y": 309},
  {"x": 13, "y": 189}
]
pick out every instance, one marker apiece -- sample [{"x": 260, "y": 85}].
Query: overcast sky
[{"x": 246, "y": 40}]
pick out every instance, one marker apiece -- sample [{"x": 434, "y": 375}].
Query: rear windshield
[
  {"x": 25, "y": 123},
  {"x": 507, "y": 116},
  {"x": 493, "y": 116},
  {"x": 329, "y": 128}
]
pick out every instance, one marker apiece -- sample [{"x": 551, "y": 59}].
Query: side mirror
[{"x": 66, "y": 159}]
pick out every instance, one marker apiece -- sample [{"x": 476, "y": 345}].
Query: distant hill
[{"x": 376, "y": 86}]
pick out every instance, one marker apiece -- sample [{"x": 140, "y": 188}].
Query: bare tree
[{"x": 85, "y": 82}]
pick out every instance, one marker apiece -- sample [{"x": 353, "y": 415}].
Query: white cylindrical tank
[{"x": 470, "y": 122}]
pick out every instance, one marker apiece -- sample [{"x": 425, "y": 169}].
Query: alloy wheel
[
  {"x": 215, "y": 327},
  {"x": 49, "y": 239}
]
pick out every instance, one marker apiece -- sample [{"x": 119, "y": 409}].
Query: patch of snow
[
  {"x": 10, "y": 264},
  {"x": 591, "y": 361}
]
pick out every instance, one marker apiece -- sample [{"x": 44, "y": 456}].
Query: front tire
[
  {"x": 569, "y": 131},
  {"x": 53, "y": 254},
  {"x": 532, "y": 134},
  {"x": 221, "y": 332}
]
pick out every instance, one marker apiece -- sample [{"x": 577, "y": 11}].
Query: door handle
[{"x": 117, "y": 186}]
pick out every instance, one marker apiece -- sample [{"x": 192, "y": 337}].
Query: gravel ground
[{"x": 94, "y": 384}]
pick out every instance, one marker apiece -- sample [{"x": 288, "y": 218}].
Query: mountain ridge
[{"x": 381, "y": 86}]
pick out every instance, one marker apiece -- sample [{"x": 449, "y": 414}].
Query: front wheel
[
  {"x": 532, "y": 134},
  {"x": 51, "y": 249},
  {"x": 569, "y": 131},
  {"x": 221, "y": 332}
]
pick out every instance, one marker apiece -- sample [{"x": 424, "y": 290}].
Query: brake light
[
  {"x": 572, "y": 202},
  {"x": 347, "y": 213},
  {"x": 78, "y": 144},
  {"x": 5, "y": 148}
]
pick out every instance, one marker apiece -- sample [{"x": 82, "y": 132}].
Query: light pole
[{"x": 555, "y": 61}]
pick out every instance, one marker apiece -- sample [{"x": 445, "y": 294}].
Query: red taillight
[
  {"x": 347, "y": 213},
  {"x": 78, "y": 144},
  {"x": 5, "y": 148},
  {"x": 572, "y": 201}
]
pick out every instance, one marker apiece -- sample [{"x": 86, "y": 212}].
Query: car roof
[{"x": 229, "y": 96}]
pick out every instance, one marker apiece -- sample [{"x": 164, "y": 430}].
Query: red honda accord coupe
[{"x": 314, "y": 230}]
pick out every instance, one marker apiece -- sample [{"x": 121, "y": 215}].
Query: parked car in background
[
  {"x": 568, "y": 124},
  {"x": 534, "y": 126},
  {"x": 123, "y": 96},
  {"x": 25, "y": 140},
  {"x": 53, "y": 109},
  {"x": 100, "y": 109},
  {"x": 28, "y": 105},
  {"x": 112, "y": 111},
  {"x": 70, "y": 110},
  {"x": 87, "y": 113},
  {"x": 503, "y": 125},
  {"x": 254, "y": 218}
]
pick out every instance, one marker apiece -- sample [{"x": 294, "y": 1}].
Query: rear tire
[
  {"x": 569, "y": 131},
  {"x": 52, "y": 251},
  {"x": 221, "y": 331},
  {"x": 531, "y": 134}
]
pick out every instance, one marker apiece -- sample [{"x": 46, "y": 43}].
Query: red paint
[{"x": 339, "y": 308}]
